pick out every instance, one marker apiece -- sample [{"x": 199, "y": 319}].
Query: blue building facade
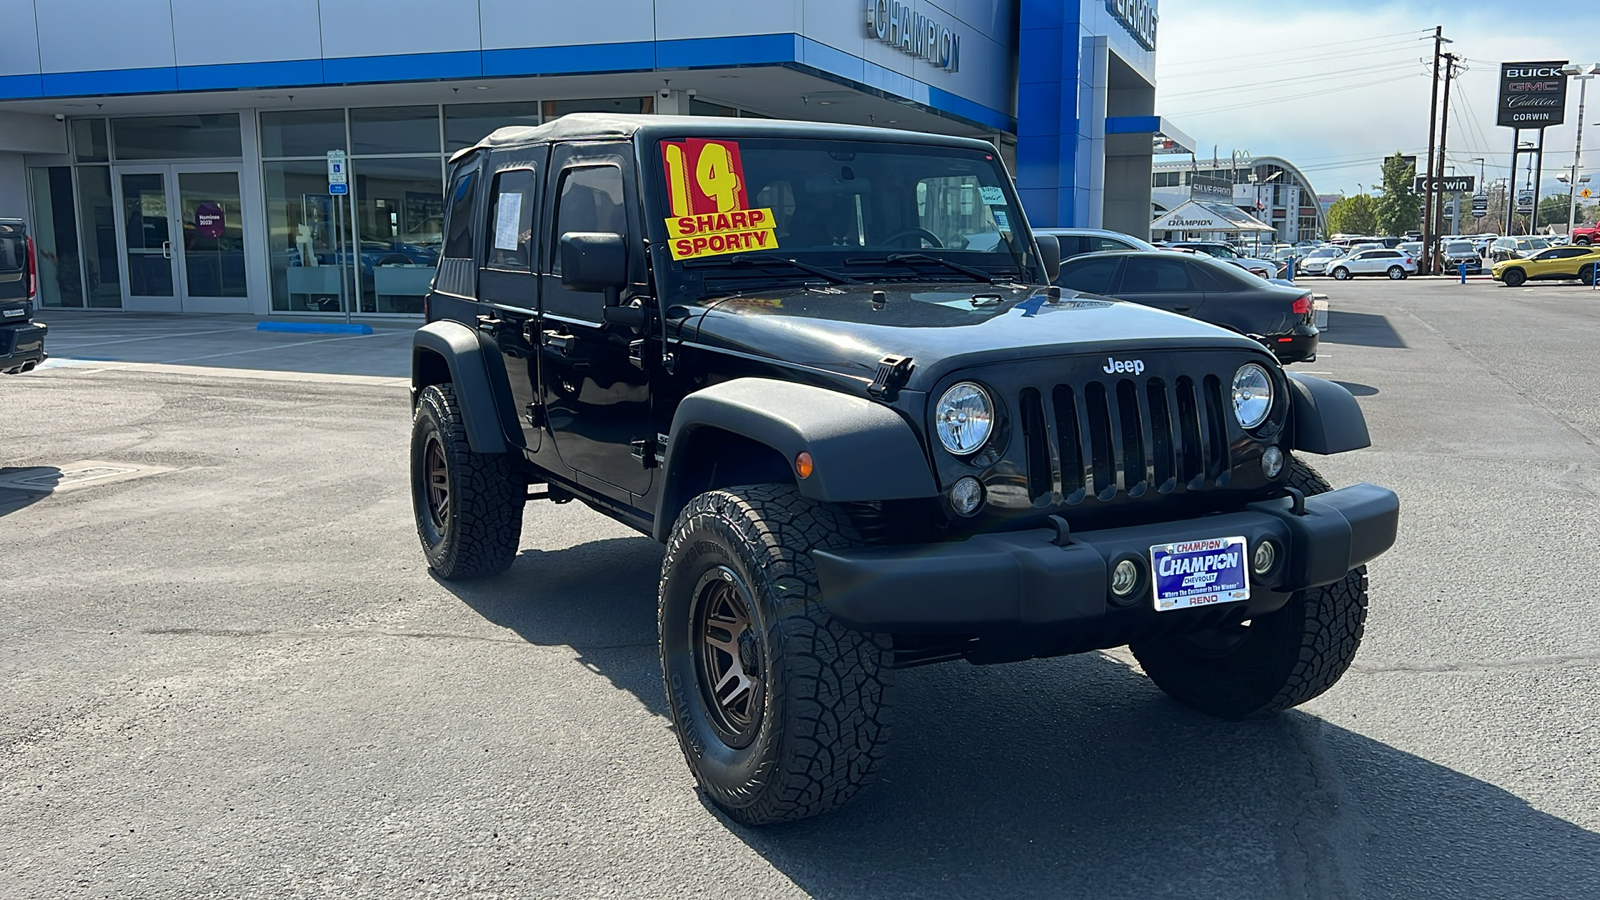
[{"x": 170, "y": 153}]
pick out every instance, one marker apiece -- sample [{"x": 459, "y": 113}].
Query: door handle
[
  {"x": 489, "y": 324},
  {"x": 166, "y": 249},
  {"x": 558, "y": 340}
]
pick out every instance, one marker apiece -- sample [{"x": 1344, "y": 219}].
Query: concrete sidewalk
[{"x": 224, "y": 345}]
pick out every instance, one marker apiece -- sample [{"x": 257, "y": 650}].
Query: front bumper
[
  {"x": 22, "y": 346},
  {"x": 1025, "y": 583}
]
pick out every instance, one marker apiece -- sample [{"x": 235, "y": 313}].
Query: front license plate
[{"x": 1199, "y": 573}]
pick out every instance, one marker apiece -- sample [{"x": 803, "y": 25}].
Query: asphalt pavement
[{"x": 229, "y": 673}]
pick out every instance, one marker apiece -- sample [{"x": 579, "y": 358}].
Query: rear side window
[
  {"x": 591, "y": 200},
  {"x": 13, "y": 254},
  {"x": 1091, "y": 276},
  {"x": 1149, "y": 275},
  {"x": 511, "y": 208},
  {"x": 1096, "y": 243},
  {"x": 458, "y": 224}
]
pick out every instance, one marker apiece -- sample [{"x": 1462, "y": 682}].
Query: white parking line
[
  {"x": 351, "y": 337},
  {"x": 151, "y": 337}
]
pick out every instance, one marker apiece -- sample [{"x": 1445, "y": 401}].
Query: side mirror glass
[
  {"x": 1049, "y": 255},
  {"x": 593, "y": 261}
]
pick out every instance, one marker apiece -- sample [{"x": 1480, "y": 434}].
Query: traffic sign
[
  {"x": 1584, "y": 193},
  {"x": 338, "y": 174},
  {"x": 1480, "y": 206}
]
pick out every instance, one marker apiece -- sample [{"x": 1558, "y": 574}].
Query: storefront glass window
[
  {"x": 467, "y": 123},
  {"x": 89, "y": 140},
  {"x": 394, "y": 129},
  {"x": 554, "y": 108},
  {"x": 213, "y": 234},
  {"x": 97, "y": 222},
  {"x": 311, "y": 132},
  {"x": 301, "y": 242},
  {"x": 55, "y": 236},
  {"x": 400, "y": 214},
  {"x": 706, "y": 108},
  {"x": 177, "y": 137}
]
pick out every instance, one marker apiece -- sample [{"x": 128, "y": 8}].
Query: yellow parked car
[{"x": 1558, "y": 262}]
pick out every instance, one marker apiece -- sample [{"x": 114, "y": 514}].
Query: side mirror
[
  {"x": 593, "y": 261},
  {"x": 1049, "y": 255}
]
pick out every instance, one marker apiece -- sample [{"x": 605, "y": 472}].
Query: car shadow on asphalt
[
  {"x": 598, "y": 598},
  {"x": 1357, "y": 389},
  {"x": 1077, "y": 777},
  {"x": 1362, "y": 330},
  {"x": 14, "y": 500}
]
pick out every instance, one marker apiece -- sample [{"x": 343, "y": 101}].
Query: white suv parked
[{"x": 1392, "y": 263}]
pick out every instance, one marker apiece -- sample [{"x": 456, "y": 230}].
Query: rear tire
[
  {"x": 1396, "y": 273},
  {"x": 1274, "y": 662},
  {"x": 468, "y": 505},
  {"x": 779, "y": 709},
  {"x": 1514, "y": 277},
  {"x": 1341, "y": 274}
]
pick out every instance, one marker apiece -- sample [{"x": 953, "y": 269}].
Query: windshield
[
  {"x": 1462, "y": 247},
  {"x": 739, "y": 210}
]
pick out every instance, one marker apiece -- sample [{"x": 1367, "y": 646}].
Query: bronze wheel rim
[
  {"x": 730, "y": 663},
  {"x": 436, "y": 472}
]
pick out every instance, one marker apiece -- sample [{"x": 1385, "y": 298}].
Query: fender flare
[
  {"x": 1327, "y": 418},
  {"x": 860, "y": 450},
  {"x": 464, "y": 355}
]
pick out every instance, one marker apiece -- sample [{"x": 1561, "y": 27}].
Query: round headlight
[
  {"x": 964, "y": 418},
  {"x": 1252, "y": 395}
]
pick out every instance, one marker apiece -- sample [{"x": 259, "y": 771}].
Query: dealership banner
[{"x": 1532, "y": 94}]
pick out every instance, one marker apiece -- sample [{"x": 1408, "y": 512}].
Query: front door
[
  {"x": 182, "y": 227},
  {"x": 596, "y": 401}
]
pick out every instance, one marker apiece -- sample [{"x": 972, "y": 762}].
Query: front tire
[
  {"x": 1586, "y": 275},
  {"x": 1341, "y": 274},
  {"x": 779, "y": 709},
  {"x": 1396, "y": 273},
  {"x": 1514, "y": 277},
  {"x": 468, "y": 505},
  {"x": 1271, "y": 663}
]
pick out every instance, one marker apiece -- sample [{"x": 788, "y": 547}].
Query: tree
[
  {"x": 1353, "y": 215},
  {"x": 1553, "y": 210},
  {"x": 1399, "y": 210}
]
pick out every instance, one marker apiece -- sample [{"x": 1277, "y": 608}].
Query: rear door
[
  {"x": 1160, "y": 281},
  {"x": 509, "y": 282}
]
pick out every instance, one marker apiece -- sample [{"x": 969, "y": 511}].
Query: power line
[
  {"x": 1319, "y": 76},
  {"x": 1297, "y": 60},
  {"x": 1321, "y": 92},
  {"x": 1293, "y": 53}
]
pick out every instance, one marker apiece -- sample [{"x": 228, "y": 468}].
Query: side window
[
  {"x": 458, "y": 226},
  {"x": 511, "y": 207},
  {"x": 1090, "y": 275},
  {"x": 1149, "y": 275},
  {"x": 1097, "y": 244},
  {"x": 590, "y": 200}
]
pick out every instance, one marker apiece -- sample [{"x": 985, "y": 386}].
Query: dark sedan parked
[{"x": 1280, "y": 317}]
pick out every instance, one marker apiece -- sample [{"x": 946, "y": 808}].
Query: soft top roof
[{"x": 591, "y": 126}]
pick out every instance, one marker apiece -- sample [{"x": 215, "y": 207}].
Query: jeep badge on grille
[{"x": 1114, "y": 366}]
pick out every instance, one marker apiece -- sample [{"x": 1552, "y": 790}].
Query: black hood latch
[{"x": 893, "y": 373}]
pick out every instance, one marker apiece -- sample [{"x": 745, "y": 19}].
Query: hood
[{"x": 940, "y": 326}]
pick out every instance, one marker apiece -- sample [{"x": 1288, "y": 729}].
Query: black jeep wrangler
[
  {"x": 821, "y": 365},
  {"x": 21, "y": 338}
]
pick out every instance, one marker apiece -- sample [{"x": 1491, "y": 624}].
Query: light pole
[{"x": 1583, "y": 74}]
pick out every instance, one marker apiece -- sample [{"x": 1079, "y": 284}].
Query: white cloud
[{"x": 1334, "y": 87}]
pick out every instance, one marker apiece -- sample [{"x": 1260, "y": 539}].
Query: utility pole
[
  {"x": 1444, "y": 131},
  {"x": 1433, "y": 124},
  {"x": 1583, "y": 74}
]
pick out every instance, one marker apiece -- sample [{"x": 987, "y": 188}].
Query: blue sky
[{"x": 1335, "y": 86}]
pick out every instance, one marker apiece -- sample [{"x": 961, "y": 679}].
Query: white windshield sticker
[
  {"x": 992, "y": 196},
  {"x": 508, "y": 216}
]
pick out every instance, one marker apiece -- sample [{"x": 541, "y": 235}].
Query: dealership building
[{"x": 171, "y": 155}]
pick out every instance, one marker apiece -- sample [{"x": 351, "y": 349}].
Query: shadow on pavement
[
  {"x": 1361, "y": 329},
  {"x": 1077, "y": 777},
  {"x": 1359, "y": 390},
  {"x": 15, "y": 500}
]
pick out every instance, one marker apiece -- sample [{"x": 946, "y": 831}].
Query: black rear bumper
[
  {"x": 21, "y": 347},
  {"x": 1299, "y": 345},
  {"x": 1025, "y": 583}
]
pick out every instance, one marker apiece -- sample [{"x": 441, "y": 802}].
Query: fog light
[
  {"x": 1272, "y": 462},
  {"x": 1124, "y": 578},
  {"x": 1265, "y": 557},
  {"x": 966, "y": 495}
]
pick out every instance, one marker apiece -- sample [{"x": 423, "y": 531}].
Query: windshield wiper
[
  {"x": 914, "y": 258},
  {"x": 767, "y": 259}
]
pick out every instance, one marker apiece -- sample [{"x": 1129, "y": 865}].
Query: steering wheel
[{"x": 923, "y": 233}]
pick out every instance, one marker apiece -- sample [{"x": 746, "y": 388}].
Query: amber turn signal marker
[{"x": 803, "y": 464}]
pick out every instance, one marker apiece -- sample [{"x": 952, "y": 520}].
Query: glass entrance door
[
  {"x": 147, "y": 234},
  {"x": 183, "y": 230}
]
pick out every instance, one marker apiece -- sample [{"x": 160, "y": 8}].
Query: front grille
[{"x": 1125, "y": 436}]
